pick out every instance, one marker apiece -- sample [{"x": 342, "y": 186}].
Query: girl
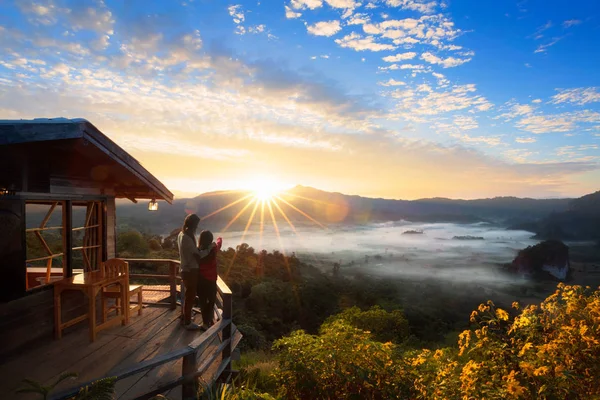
[
  {"x": 190, "y": 256},
  {"x": 207, "y": 277}
]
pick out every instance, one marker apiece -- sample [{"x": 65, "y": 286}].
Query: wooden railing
[
  {"x": 196, "y": 358},
  {"x": 172, "y": 277}
]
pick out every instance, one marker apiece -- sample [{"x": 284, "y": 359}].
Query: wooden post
[
  {"x": 173, "y": 282},
  {"x": 227, "y": 314},
  {"x": 67, "y": 215},
  {"x": 188, "y": 389}
]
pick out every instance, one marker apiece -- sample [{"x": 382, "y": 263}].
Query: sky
[{"x": 382, "y": 98}]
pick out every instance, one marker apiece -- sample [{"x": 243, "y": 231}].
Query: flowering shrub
[{"x": 550, "y": 351}]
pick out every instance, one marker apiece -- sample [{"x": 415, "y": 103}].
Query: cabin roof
[{"x": 72, "y": 152}]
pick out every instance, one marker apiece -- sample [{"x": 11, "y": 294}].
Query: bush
[
  {"x": 385, "y": 326},
  {"x": 549, "y": 351},
  {"x": 342, "y": 362}
]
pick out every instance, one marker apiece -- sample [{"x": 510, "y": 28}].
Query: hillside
[
  {"x": 581, "y": 221},
  {"x": 337, "y": 208}
]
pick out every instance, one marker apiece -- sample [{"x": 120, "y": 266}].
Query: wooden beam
[
  {"x": 45, "y": 258},
  {"x": 44, "y": 244},
  {"x": 48, "y": 228},
  {"x": 48, "y": 214},
  {"x": 68, "y": 237},
  {"x": 81, "y": 228},
  {"x": 132, "y": 200}
]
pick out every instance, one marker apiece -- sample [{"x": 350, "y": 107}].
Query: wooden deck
[{"x": 156, "y": 332}]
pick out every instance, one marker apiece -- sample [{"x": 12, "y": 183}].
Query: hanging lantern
[{"x": 153, "y": 205}]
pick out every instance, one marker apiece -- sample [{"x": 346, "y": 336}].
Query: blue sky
[{"x": 391, "y": 98}]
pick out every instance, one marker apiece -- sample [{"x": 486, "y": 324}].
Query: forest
[{"x": 314, "y": 334}]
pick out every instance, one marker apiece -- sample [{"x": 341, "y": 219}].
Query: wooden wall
[
  {"x": 30, "y": 319},
  {"x": 12, "y": 249},
  {"x": 111, "y": 228}
]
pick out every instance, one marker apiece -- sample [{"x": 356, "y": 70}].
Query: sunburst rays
[{"x": 271, "y": 202}]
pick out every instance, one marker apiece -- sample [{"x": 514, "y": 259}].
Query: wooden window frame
[{"x": 97, "y": 212}]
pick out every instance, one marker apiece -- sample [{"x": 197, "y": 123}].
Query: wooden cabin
[{"x": 59, "y": 180}]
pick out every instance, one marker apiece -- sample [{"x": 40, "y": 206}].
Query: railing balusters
[
  {"x": 173, "y": 281},
  {"x": 189, "y": 389}
]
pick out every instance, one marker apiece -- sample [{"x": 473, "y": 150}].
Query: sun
[{"x": 264, "y": 189}]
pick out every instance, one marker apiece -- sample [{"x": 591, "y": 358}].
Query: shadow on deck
[{"x": 155, "y": 333}]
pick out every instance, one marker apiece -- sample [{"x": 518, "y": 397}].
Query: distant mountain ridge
[
  {"x": 581, "y": 221},
  {"x": 337, "y": 208}
]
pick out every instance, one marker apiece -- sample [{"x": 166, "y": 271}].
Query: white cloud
[
  {"x": 346, "y": 4},
  {"x": 257, "y": 29},
  {"x": 544, "y": 47},
  {"x": 412, "y": 104},
  {"x": 237, "y": 13},
  {"x": 358, "y": 19},
  {"x": 577, "y": 96},
  {"x": 517, "y": 110},
  {"x": 571, "y": 22},
  {"x": 359, "y": 43},
  {"x": 564, "y": 122},
  {"x": 171, "y": 145},
  {"x": 465, "y": 122},
  {"x": 291, "y": 14},
  {"x": 411, "y": 66},
  {"x": 519, "y": 155},
  {"x": 525, "y": 140},
  {"x": 324, "y": 28},
  {"x": 303, "y": 4},
  {"x": 400, "y": 57},
  {"x": 536, "y": 101},
  {"x": 442, "y": 81},
  {"x": 489, "y": 140},
  {"x": 445, "y": 62},
  {"x": 392, "y": 82},
  {"x": 538, "y": 32},
  {"x": 422, "y": 6},
  {"x": 436, "y": 30}
]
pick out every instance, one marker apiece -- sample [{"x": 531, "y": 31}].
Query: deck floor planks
[
  {"x": 157, "y": 331},
  {"x": 50, "y": 359},
  {"x": 111, "y": 355},
  {"x": 174, "y": 339}
]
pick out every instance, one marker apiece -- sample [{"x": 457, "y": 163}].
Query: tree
[{"x": 132, "y": 243}]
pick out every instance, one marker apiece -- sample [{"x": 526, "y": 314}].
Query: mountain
[
  {"x": 334, "y": 208},
  {"x": 581, "y": 221}
]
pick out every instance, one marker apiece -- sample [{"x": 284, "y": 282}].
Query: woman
[
  {"x": 207, "y": 277},
  {"x": 190, "y": 257}
]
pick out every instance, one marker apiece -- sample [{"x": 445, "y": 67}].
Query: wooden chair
[{"x": 112, "y": 267}]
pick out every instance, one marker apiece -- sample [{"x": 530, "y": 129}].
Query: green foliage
[
  {"x": 154, "y": 244},
  {"x": 256, "y": 371},
  {"x": 102, "y": 389},
  {"x": 545, "y": 352},
  {"x": 385, "y": 326},
  {"x": 233, "y": 392},
  {"x": 342, "y": 362},
  {"x": 31, "y": 386},
  {"x": 132, "y": 244}
]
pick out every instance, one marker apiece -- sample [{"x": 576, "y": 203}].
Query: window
[
  {"x": 46, "y": 239},
  {"x": 45, "y": 260},
  {"x": 88, "y": 219}
]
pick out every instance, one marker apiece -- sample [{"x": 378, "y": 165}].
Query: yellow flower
[
  {"x": 526, "y": 347},
  {"x": 515, "y": 305},
  {"x": 541, "y": 371},
  {"x": 501, "y": 314}
]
